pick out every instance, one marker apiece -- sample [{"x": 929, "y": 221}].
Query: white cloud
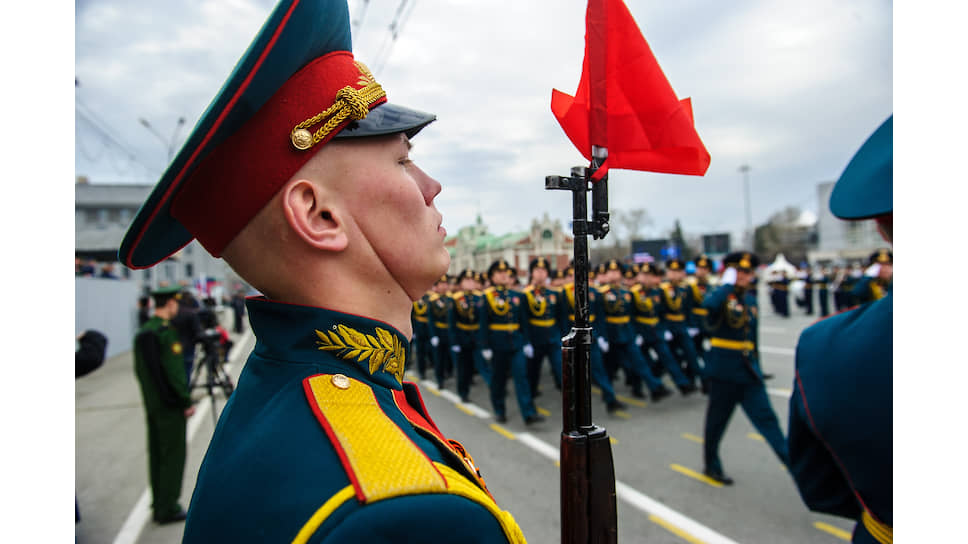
[{"x": 791, "y": 88}]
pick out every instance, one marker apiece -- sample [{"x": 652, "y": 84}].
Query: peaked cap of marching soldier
[
  {"x": 881, "y": 256},
  {"x": 612, "y": 264},
  {"x": 631, "y": 271},
  {"x": 650, "y": 268},
  {"x": 466, "y": 273},
  {"x": 704, "y": 262},
  {"x": 743, "y": 260},
  {"x": 296, "y": 87},
  {"x": 539, "y": 262},
  {"x": 499, "y": 265},
  {"x": 866, "y": 187},
  {"x": 675, "y": 264}
]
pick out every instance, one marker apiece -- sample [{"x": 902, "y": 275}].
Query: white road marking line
[
  {"x": 651, "y": 506},
  {"x": 773, "y": 330},
  {"x": 785, "y": 393},
  {"x": 139, "y": 515},
  {"x": 778, "y": 351},
  {"x": 637, "y": 499}
]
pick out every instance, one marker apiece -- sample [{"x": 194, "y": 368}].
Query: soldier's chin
[{"x": 428, "y": 281}]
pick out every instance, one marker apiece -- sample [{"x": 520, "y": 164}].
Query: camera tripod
[{"x": 216, "y": 376}]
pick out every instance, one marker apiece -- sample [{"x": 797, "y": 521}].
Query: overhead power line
[{"x": 393, "y": 32}]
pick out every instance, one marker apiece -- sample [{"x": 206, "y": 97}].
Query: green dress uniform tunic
[
  {"x": 323, "y": 442},
  {"x": 160, "y": 368},
  {"x": 734, "y": 374},
  {"x": 420, "y": 320}
]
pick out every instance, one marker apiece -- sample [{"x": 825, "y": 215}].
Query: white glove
[
  {"x": 729, "y": 277},
  {"x": 638, "y": 340},
  {"x": 455, "y": 348},
  {"x": 487, "y": 354},
  {"x": 434, "y": 341},
  {"x": 603, "y": 344},
  {"x": 873, "y": 270},
  {"x": 667, "y": 336},
  {"x": 528, "y": 351},
  {"x": 692, "y": 331}
]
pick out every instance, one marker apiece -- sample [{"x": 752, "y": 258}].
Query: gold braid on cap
[{"x": 350, "y": 103}]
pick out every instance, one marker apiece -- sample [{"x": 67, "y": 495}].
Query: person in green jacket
[{"x": 159, "y": 367}]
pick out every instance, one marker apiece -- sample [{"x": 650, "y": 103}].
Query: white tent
[{"x": 780, "y": 264}]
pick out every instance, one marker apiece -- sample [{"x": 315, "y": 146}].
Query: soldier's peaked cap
[
  {"x": 675, "y": 264},
  {"x": 742, "y": 259},
  {"x": 499, "y": 264},
  {"x": 540, "y": 262},
  {"x": 882, "y": 256},
  {"x": 866, "y": 187},
  {"x": 296, "y": 87}
]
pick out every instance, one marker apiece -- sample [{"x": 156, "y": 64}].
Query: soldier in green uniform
[
  {"x": 544, "y": 311},
  {"x": 320, "y": 208},
  {"x": 733, "y": 365},
  {"x": 696, "y": 320},
  {"x": 505, "y": 327},
  {"x": 677, "y": 303},
  {"x": 876, "y": 281},
  {"x": 420, "y": 318},
  {"x": 647, "y": 298},
  {"x": 821, "y": 281},
  {"x": 159, "y": 367},
  {"x": 598, "y": 372},
  {"x": 467, "y": 304},
  {"x": 442, "y": 339},
  {"x": 620, "y": 333}
]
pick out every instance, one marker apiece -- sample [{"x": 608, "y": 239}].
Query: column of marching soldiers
[{"x": 647, "y": 322}]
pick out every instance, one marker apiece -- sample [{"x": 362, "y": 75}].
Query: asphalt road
[{"x": 656, "y": 447}]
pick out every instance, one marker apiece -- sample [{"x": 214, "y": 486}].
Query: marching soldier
[
  {"x": 877, "y": 278},
  {"x": 159, "y": 367},
  {"x": 821, "y": 281},
  {"x": 598, "y": 372},
  {"x": 676, "y": 306},
  {"x": 420, "y": 317},
  {"x": 443, "y": 344},
  {"x": 544, "y": 310},
  {"x": 647, "y": 299},
  {"x": 699, "y": 286},
  {"x": 467, "y": 319},
  {"x": 733, "y": 365},
  {"x": 505, "y": 326},
  {"x": 807, "y": 291},
  {"x": 620, "y": 333},
  {"x": 780, "y": 295},
  {"x": 291, "y": 152},
  {"x": 841, "y": 422}
]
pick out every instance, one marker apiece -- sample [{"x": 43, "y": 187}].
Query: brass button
[
  {"x": 301, "y": 139},
  {"x": 341, "y": 381}
]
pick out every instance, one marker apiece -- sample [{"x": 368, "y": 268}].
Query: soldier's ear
[{"x": 313, "y": 215}]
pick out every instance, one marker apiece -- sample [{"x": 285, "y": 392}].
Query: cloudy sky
[{"x": 790, "y": 88}]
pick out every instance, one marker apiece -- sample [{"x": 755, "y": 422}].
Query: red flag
[{"x": 625, "y": 103}]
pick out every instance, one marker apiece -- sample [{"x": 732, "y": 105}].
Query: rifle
[{"x": 588, "y": 512}]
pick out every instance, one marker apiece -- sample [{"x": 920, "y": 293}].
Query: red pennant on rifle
[{"x": 624, "y": 102}]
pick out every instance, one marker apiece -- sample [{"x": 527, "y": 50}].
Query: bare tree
[{"x": 632, "y": 222}]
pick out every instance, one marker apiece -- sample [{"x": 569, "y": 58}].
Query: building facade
[
  {"x": 102, "y": 214},
  {"x": 474, "y": 247},
  {"x": 839, "y": 241}
]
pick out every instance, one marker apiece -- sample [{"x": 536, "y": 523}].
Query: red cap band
[{"x": 238, "y": 178}]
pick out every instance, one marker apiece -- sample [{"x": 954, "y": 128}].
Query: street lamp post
[
  {"x": 169, "y": 145},
  {"x": 745, "y": 170}
]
